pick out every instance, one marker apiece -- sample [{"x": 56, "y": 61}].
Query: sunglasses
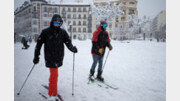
[
  {"x": 58, "y": 23},
  {"x": 105, "y": 25}
]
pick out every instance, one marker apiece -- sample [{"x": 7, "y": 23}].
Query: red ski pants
[{"x": 53, "y": 79}]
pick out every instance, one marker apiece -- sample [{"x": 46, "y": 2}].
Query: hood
[
  {"x": 99, "y": 28},
  {"x": 55, "y": 18}
]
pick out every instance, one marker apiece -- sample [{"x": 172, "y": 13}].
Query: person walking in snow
[
  {"x": 53, "y": 39},
  {"x": 99, "y": 42},
  {"x": 24, "y": 42}
]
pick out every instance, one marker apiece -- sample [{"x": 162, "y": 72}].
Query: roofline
[
  {"x": 67, "y": 4},
  {"x": 15, "y": 13}
]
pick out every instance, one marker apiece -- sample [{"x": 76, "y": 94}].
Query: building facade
[
  {"x": 32, "y": 17},
  {"x": 158, "y": 26}
]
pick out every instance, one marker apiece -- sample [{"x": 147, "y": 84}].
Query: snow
[
  {"x": 75, "y": 4},
  {"x": 137, "y": 68}
]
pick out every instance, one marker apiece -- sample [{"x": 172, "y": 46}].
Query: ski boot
[
  {"x": 99, "y": 77},
  {"x": 53, "y": 98},
  {"x": 91, "y": 74}
]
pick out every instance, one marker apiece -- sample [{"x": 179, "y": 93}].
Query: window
[
  {"x": 130, "y": 25},
  {"x": 79, "y": 16},
  {"x": 74, "y": 16},
  {"x": 74, "y": 9},
  {"x": 131, "y": 11},
  {"x": 45, "y": 23},
  {"x": 79, "y": 29},
  {"x": 79, "y": 9},
  {"x": 124, "y": 12},
  {"x": 117, "y": 19},
  {"x": 34, "y": 15},
  {"x": 84, "y": 10},
  {"x": 84, "y": 23},
  {"x": 74, "y": 29},
  {"x": 34, "y": 8},
  {"x": 79, "y": 23},
  {"x": 50, "y": 15},
  {"x": 124, "y": 3},
  {"x": 45, "y": 9},
  {"x": 131, "y": 3},
  {"x": 35, "y": 30},
  {"x": 116, "y": 25},
  {"x": 45, "y": 15},
  {"x": 84, "y": 16},
  {"x": 69, "y": 9},
  {"x": 69, "y": 16},
  {"x": 84, "y": 29},
  {"x": 55, "y": 10},
  {"x": 89, "y": 30},
  {"x": 29, "y": 10},
  {"x": 74, "y": 22},
  {"x": 122, "y": 26},
  {"x": 69, "y": 22},
  {"x": 123, "y": 18},
  {"x": 34, "y": 22},
  {"x": 50, "y": 9},
  {"x": 63, "y": 9}
]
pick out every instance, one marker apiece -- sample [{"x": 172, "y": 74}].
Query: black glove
[
  {"x": 36, "y": 60},
  {"x": 74, "y": 49}
]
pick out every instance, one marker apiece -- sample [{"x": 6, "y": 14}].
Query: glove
[
  {"x": 101, "y": 50},
  {"x": 110, "y": 47},
  {"x": 36, "y": 60},
  {"x": 74, "y": 49}
]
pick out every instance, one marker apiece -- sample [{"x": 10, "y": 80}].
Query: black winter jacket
[{"x": 53, "y": 40}]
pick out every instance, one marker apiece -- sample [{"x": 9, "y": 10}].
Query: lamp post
[{"x": 70, "y": 29}]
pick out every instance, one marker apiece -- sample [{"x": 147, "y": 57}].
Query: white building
[
  {"x": 32, "y": 17},
  {"x": 158, "y": 26}
]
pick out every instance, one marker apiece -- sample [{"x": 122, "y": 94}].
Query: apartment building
[
  {"x": 158, "y": 26},
  {"x": 32, "y": 17}
]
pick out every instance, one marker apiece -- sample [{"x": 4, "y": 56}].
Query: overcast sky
[{"x": 145, "y": 7}]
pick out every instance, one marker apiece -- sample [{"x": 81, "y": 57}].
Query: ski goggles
[
  {"x": 105, "y": 25},
  {"x": 58, "y": 23}
]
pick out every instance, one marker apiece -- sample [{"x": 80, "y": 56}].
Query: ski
[
  {"x": 58, "y": 95},
  {"x": 115, "y": 88},
  {"x": 100, "y": 83},
  {"x": 92, "y": 80},
  {"x": 43, "y": 96}
]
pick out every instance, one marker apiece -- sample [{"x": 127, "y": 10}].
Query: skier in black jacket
[{"x": 53, "y": 39}]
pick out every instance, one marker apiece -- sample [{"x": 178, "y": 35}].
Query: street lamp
[{"x": 70, "y": 29}]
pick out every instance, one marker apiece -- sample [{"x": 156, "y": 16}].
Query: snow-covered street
[{"x": 137, "y": 68}]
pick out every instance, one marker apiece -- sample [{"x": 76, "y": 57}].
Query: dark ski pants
[
  {"x": 53, "y": 79},
  {"x": 96, "y": 59}
]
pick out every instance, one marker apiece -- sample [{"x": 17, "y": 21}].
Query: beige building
[{"x": 129, "y": 8}]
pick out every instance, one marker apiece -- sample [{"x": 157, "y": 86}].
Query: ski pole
[
  {"x": 25, "y": 80},
  {"x": 105, "y": 60},
  {"x": 73, "y": 75}
]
